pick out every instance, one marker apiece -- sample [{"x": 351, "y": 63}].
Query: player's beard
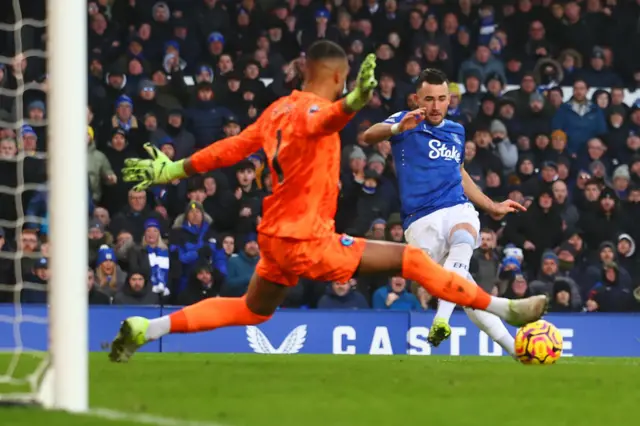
[{"x": 432, "y": 122}]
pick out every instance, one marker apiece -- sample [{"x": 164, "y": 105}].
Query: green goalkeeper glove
[
  {"x": 159, "y": 170},
  {"x": 360, "y": 96}
]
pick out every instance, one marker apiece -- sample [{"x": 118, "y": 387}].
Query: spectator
[
  {"x": 342, "y": 296},
  {"x": 36, "y": 286},
  {"x": 610, "y": 293},
  {"x": 241, "y": 267},
  {"x": 523, "y": 230},
  {"x": 135, "y": 291},
  {"x": 568, "y": 211},
  {"x": 133, "y": 216},
  {"x": 395, "y": 297},
  {"x": 561, "y": 300},
  {"x": 151, "y": 258},
  {"x": 627, "y": 256},
  {"x": 517, "y": 287},
  {"x": 579, "y": 118},
  {"x": 548, "y": 278},
  {"x": 605, "y": 222},
  {"x": 96, "y": 297},
  {"x": 97, "y": 238},
  {"x": 100, "y": 171},
  {"x": 485, "y": 260},
  {"x": 204, "y": 283},
  {"x": 191, "y": 241},
  {"x": 110, "y": 278}
]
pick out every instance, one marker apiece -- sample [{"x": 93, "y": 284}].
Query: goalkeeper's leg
[{"x": 257, "y": 306}]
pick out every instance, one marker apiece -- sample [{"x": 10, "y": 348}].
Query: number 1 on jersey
[{"x": 274, "y": 161}]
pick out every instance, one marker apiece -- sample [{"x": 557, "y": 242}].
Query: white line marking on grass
[{"x": 148, "y": 419}]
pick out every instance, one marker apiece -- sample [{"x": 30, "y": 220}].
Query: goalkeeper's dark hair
[
  {"x": 431, "y": 76},
  {"x": 324, "y": 49}
]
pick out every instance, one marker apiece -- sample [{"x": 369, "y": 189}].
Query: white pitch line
[{"x": 148, "y": 419}]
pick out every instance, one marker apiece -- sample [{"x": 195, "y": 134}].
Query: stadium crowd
[{"x": 186, "y": 73}]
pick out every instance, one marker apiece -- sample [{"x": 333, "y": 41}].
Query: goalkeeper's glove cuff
[
  {"x": 175, "y": 170},
  {"x": 355, "y": 100}
]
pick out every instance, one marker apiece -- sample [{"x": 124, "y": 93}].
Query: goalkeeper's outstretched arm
[
  {"x": 161, "y": 170},
  {"x": 227, "y": 152}
]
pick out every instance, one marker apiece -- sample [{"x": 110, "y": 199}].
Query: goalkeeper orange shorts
[{"x": 284, "y": 260}]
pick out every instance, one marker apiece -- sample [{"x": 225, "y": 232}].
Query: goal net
[{"x": 43, "y": 203}]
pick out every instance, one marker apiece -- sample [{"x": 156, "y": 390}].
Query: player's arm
[
  {"x": 477, "y": 197},
  {"x": 326, "y": 120},
  {"x": 160, "y": 169},
  {"x": 394, "y": 125},
  {"x": 226, "y": 152}
]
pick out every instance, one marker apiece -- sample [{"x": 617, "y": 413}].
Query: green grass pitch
[{"x": 294, "y": 390}]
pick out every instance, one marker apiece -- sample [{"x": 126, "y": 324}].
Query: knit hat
[
  {"x": 510, "y": 250},
  {"x": 536, "y": 97},
  {"x": 378, "y": 221},
  {"x": 394, "y": 219},
  {"x": 42, "y": 263},
  {"x": 356, "y": 153},
  {"x": 251, "y": 236},
  {"x": 215, "y": 37},
  {"x": 151, "y": 223},
  {"x": 96, "y": 224},
  {"x": 124, "y": 99},
  {"x": 146, "y": 85},
  {"x": 376, "y": 158},
  {"x": 559, "y": 134},
  {"x": 454, "y": 89},
  {"x": 105, "y": 254},
  {"x": 549, "y": 255},
  {"x": 622, "y": 172},
  {"x": 37, "y": 105},
  {"x": 607, "y": 244},
  {"x": 498, "y": 126},
  {"x": 568, "y": 247},
  {"x": 608, "y": 193},
  {"x": 507, "y": 261},
  {"x": 194, "y": 205}
]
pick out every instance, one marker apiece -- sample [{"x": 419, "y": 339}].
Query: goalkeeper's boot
[
  {"x": 132, "y": 336},
  {"x": 439, "y": 332},
  {"x": 527, "y": 310}
]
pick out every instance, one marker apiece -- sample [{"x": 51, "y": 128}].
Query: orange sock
[
  {"x": 439, "y": 282},
  {"x": 213, "y": 313}
]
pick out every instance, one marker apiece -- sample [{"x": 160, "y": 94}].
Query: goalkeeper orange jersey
[{"x": 299, "y": 134}]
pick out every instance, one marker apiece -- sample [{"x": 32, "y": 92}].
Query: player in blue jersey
[{"x": 437, "y": 193}]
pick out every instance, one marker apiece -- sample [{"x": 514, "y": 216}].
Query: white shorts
[{"x": 431, "y": 233}]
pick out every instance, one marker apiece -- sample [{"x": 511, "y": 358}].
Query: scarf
[{"x": 159, "y": 262}]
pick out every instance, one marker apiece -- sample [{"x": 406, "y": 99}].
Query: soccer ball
[{"x": 539, "y": 342}]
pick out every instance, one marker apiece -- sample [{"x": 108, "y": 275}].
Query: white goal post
[
  {"x": 68, "y": 183},
  {"x": 60, "y": 380}
]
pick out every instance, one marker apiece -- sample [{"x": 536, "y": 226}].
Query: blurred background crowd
[{"x": 546, "y": 90}]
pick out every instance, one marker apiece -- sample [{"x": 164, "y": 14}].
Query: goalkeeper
[{"x": 299, "y": 134}]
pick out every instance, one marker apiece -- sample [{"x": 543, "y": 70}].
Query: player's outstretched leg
[
  {"x": 257, "y": 306},
  {"x": 413, "y": 264},
  {"x": 494, "y": 327}
]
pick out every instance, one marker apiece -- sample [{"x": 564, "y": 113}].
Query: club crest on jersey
[
  {"x": 439, "y": 150},
  {"x": 314, "y": 108},
  {"x": 347, "y": 240}
]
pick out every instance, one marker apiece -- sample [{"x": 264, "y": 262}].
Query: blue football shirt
[{"x": 428, "y": 160}]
